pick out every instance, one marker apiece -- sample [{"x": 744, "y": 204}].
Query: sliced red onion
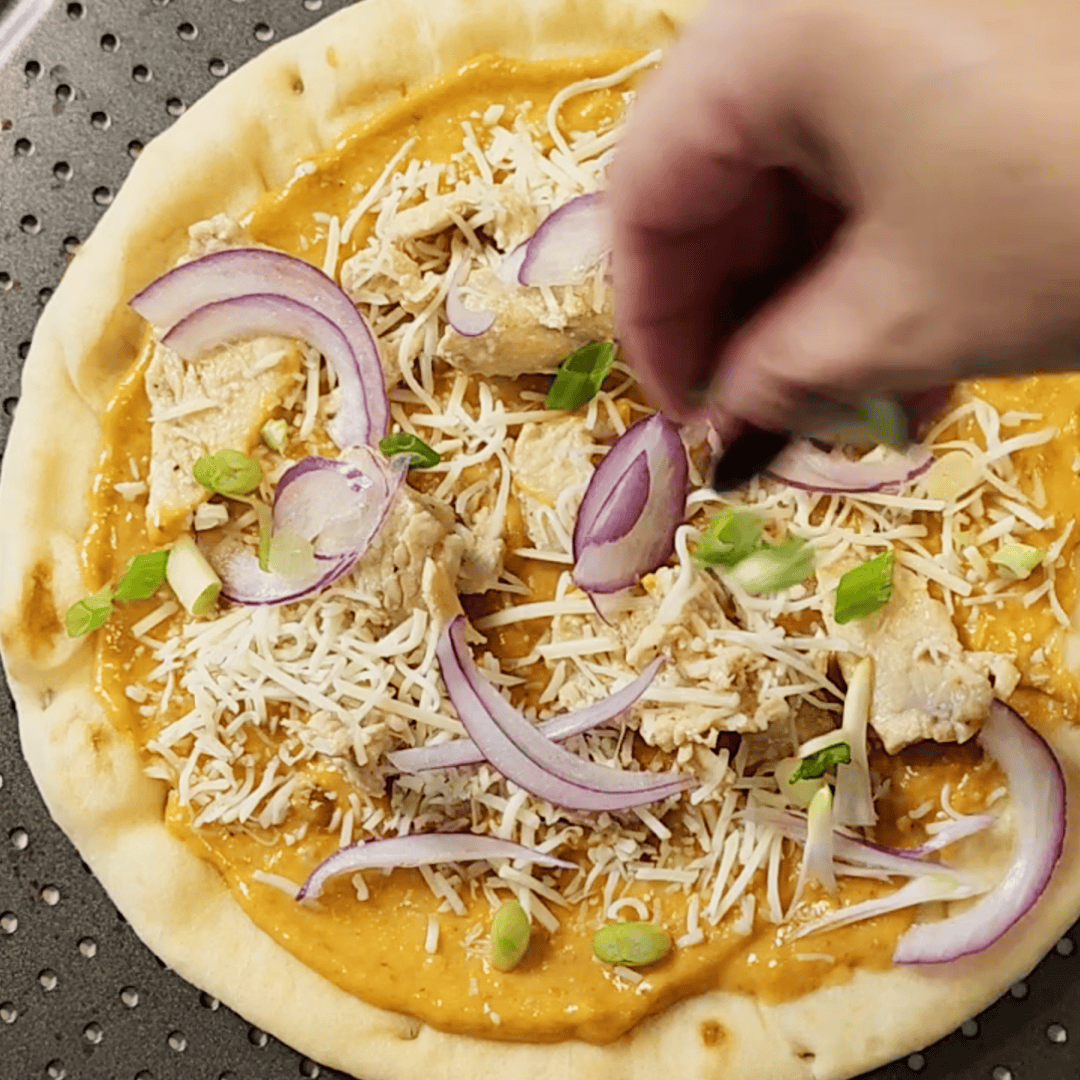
[
  {"x": 339, "y": 505},
  {"x": 510, "y": 267},
  {"x": 466, "y": 322},
  {"x": 464, "y": 751},
  {"x": 568, "y": 243},
  {"x": 803, "y": 465},
  {"x": 423, "y": 849},
  {"x": 904, "y": 862},
  {"x": 1037, "y": 787},
  {"x": 920, "y": 890},
  {"x": 955, "y": 829},
  {"x": 237, "y": 272},
  {"x": 523, "y": 755},
  {"x": 634, "y": 502}
]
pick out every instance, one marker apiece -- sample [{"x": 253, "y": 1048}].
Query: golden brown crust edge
[{"x": 220, "y": 157}]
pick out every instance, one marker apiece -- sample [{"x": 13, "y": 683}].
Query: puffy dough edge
[{"x": 220, "y": 157}]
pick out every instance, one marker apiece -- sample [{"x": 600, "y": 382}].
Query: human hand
[{"x": 820, "y": 200}]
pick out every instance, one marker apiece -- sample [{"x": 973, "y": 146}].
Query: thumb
[{"x": 861, "y": 321}]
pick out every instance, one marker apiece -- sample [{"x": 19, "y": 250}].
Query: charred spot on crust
[{"x": 712, "y": 1032}]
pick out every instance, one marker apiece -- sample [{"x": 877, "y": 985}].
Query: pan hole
[
  {"x": 218, "y": 67},
  {"x": 140, "y": 73},
  {"x": 313, "y": 5},
  {"x": 32, "y": 69},
  {"x": 103, "y": 195},
  {"x": 9, "y": 411},
  {"x": 75, "y": 10},
  {"x": 5, "y": 286},
  {"x": 9, "y": 923},
  {"x": 1065, "y": 947},
  {"x": 134, "y": 148},
  {"x": 30, "y": 224},
  {"x": 50, "y": 893},
  {"x": 100, "y": 120},
  {"x": 64, "y": 92},
  {"x": 1019, "y": 990},
  {"x": 56, "y": 1070},
  {"x": 129, "y": 996},
  {"x": 174, "y": 106},
  {"x": 208, "y": 1002},
  {"x": 44, "y": 294},
  {"x": 20, "y": 838},
  {"x": 88, "y": 947},
  {"x": 47, "y": 979},
  {"x": 257, "y": 1037},
  {"x": 72, "y": 244},
  {"x": 110, "y": 42},
  {"x": 178, "y": 1041},
  {"x": 263, "y": 32},
  {"x": 8, "y": 1013},
  {"x": 187, "y": 31},
  {"x": 93, "y": 1033},
  {"x": 309, "y": 1070},
  {"x": 916, "y": 1063},
  {"x": 1001, "y": 1073},
  {"x": 23, "y": 147},
  {"x": 62, "y": 170},
  {"x": 1056, "y": 1033},
  {"x": 144, "y": 1074},
  {"x": 969, "y": 1029},
  {"x": 24, "y": 352},
  {"x": 228, "y": 1074}
]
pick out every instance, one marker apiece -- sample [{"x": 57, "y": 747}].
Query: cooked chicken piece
[{"x": 925, "y": 685}]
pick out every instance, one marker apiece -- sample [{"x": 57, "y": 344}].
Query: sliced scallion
[
  {"x": 404, "y": 442},
  {"x": 192, "y": 578},
  {"x": 228, "y": 472},
  {"x": 509, "y": 936},
  {"x": 275, "y": 433},
  {"x": 1018, "y": 559},
  {"x": 816, "y": 765},
  {"x": 729, "y": 538},
  {"x": 292, "y": 556},
  {"x": 865, "y": 588},
  {"x": 632, "y": 944},
  {"x": 89, "y": 613},
  {"x": 581, "y": 375},
  {"x": 770, "y": 569},
  {"x": 145, "y": 574}
]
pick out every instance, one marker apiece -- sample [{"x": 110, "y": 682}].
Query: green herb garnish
[
  {"x": 730, "y": 537},
  {"x": 1019, "y": 559},
  {"x": 581, "y": 375},
  {"x": 89, "y": 613},
  {"x": 145, "y": 574},
  {"x": 865, "y": 588},
  {"x": 403, "y": 442},
  {"x": 816, "y": 765},
  {"x": 228, "y": 472},
  {"x": 776, "y": 567}
]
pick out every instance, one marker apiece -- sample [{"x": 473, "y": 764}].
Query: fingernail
[{"x": 750, "y": 453}]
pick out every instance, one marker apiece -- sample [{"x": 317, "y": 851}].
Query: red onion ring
[
  {"x": 568, "y": 243},
  {"x": 1037, "y": 787},
  {"x": 423, "y": 849},
  {"x": 228, "y": 275},
  {"x": 466, "y": 322},
  {"x": 803, "y": 465},
  {"x": 634, "y": 502},
  {"x": 523, "y": 755},
  {"x": 336, "y": 504},
  {"x": 465, "y": 751}
]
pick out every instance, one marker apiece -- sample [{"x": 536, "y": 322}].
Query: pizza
[{"x": 463, "y": 733}]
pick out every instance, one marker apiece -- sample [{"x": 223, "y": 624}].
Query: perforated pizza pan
[{"x": 83, "y": 85}]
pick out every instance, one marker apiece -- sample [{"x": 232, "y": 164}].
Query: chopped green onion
[
  {"x": 950, "y": 476},
  {"x": 1019, "y": 559},
  {"x": 730, "y": 537},
  {"x": 816, "y": 765},
  {"x": 865, "y": 588},
  {"x": 402, "y": 442},
  {"x": 292, "y": 556},
  {"x": 266, "y": 526},
  {"x": 192, "y": 578},
  {"x": 581, "y": 375},
  {"x": 770, "y": 569},
  {"x": 89, "y": 613},
  {"x": 632, "y": 944},
  {"x": 145, "y": 574},
  {"x": 228, "y": 472},
  {"x": 509, "y": 935},
  {"x": 885, "y": 421},
  {"x": 275, "y": 433},
  {"x": 796, "y": 791}
]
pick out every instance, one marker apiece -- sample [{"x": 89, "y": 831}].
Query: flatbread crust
[{"x": 244, "y": 139}]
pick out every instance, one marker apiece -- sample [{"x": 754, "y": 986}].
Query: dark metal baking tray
[{"x": 80, "y": 997}]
